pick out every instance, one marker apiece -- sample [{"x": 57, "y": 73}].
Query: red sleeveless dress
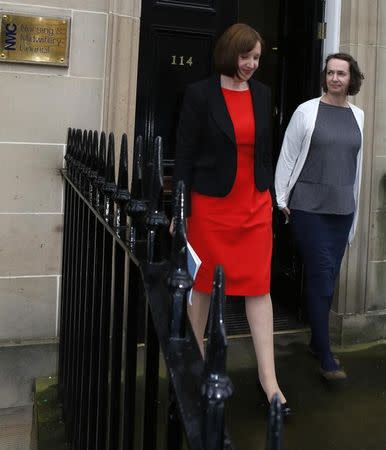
[{"x": 236, "y": 230}]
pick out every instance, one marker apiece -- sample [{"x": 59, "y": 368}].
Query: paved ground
[
  {"x": 16, "y": 428},
  {"x": 349, "y": 417}
]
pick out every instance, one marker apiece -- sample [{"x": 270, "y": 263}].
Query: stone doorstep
[
  {"x": 20, "y": 364},
  {"x": 353, "y": 329}
]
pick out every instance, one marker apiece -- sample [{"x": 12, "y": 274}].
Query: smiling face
[
  {"x": 248, "y": 63},
  {"x": 337, "y": 77}
]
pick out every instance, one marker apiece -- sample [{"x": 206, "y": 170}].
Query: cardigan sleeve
[
  {"x": 290, "y": 150},
  {"x": 359, "y": 115}
]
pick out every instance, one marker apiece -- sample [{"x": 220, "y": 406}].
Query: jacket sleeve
[
  {"x": 187, "y": 142},
  {"x": 268, "y": 153},
  {"x": 358, "y": 179},
  {"x": 289, "y": 153}
]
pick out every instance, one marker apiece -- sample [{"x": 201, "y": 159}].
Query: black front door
[{"x": 176, "y": 44}]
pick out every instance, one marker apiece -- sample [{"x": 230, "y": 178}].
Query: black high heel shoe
[{"x": 286, "y": 410}]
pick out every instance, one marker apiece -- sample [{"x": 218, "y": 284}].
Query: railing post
[
  {"x": 137, "y": 206},
  {"x": 179, "y": 280},
  {"x": 217, "y": 386},
  {"x": 65, "y": 268},
  {"x": 92, "y": 167},
  {"x": 156, "y": 220},
  {"x": 122, "y": 195},
  {"x": 100, "y": 169},
  {"x": 109, "y": 187},
  {"x": 275, "y": 425},
  {"x": 75, "y": 168},
  {"x": 69, "y": 149},
  {"x": 96, "y": 287},
  {"x": 82, "y": 162}
]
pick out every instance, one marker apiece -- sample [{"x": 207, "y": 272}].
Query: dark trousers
[{"x": 321, "y": 240}]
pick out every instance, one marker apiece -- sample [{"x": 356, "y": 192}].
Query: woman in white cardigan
[{"x": 317, "y": 184}]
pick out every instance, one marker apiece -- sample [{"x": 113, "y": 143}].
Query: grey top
[{"x": 326, "y": 183}]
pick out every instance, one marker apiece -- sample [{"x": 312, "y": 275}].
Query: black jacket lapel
[
  {"x": 219, "y": 109},
  {"x": 258, "y": 107}
]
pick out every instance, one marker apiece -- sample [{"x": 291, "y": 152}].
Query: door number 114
[{"x": 181, "y": 60}]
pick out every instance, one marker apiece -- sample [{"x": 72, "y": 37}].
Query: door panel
[
  {"x": 299, "y": 66},
  {"x": 176, "y": 45},
  {"x": 300, "y": 52},
  {"x": 189, "y": 61}
]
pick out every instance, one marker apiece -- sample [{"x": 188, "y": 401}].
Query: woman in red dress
[{"x": 223, "y": 155}]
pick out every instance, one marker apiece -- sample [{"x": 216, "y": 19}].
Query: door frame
[{"x": 333, "y": 13}]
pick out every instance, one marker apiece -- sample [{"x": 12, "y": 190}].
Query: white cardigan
[{"x": 295, "y": 149}]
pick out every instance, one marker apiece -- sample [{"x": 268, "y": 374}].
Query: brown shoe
[{"x": 333, "y": 375}]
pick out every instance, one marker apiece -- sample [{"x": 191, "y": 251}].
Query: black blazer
[{"x": 206, "y": 156}]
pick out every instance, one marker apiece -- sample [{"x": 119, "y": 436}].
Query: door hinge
[{"x": 322, "y": 30}]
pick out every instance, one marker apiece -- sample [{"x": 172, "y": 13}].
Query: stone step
[{"x": 20, "y": 364}]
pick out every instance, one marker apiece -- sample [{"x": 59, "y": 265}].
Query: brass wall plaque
[{"x": 34, "y": 40}]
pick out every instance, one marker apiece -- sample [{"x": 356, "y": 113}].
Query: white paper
[{"x": 194, "y": 263}]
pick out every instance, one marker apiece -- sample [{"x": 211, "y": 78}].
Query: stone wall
[
  {"x": 360, "y": 306},
  {"x": 38, "y": 103}
]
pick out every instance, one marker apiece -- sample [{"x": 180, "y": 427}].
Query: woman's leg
[
  {"x": 321, "y": 240},
  {"x": 312, "y": 240},
  {"x": 260, "y": 319},
  {"x": 318, "y": 306},
  {"x": 198, "y": 313}
]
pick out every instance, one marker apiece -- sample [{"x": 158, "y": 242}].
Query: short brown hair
[
  {"x": 356, "y": 76},
  {"x": 236, "y": 40}
]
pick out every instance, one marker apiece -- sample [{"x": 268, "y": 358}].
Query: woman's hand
[
  {"x": 286, "y": 211},
  {"x": 172, "y": 227}
]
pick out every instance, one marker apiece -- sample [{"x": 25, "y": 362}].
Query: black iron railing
[{"x": 116, "y": 270}]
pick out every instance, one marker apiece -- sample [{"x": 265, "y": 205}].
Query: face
[
  {"x": 337, "y": 77},
  {"x": 248, "y": 63}
]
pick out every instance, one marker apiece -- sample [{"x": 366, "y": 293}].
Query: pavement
[
  {"x": 347, "y": 416},
  {"x": 16, "y": 428}
]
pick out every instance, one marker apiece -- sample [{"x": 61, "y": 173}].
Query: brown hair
[
  {"x": 356, "y": 76},
  {"x": 236, "y": 40}
]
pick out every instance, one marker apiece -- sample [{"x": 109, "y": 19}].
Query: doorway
[{"x": 176, "y": 44}]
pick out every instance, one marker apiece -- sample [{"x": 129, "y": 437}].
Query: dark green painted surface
[{"x": 349, "y": 417}]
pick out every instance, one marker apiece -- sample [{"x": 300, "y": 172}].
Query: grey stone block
[
  {"x": 376, "y": 286},
  {"x": 378, "y": 236},
  {"x": 19, "y": 366},
  {"x": 28, "y": 308}
]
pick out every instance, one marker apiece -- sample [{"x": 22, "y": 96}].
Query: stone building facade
[{"x": 98, "y": 91}]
